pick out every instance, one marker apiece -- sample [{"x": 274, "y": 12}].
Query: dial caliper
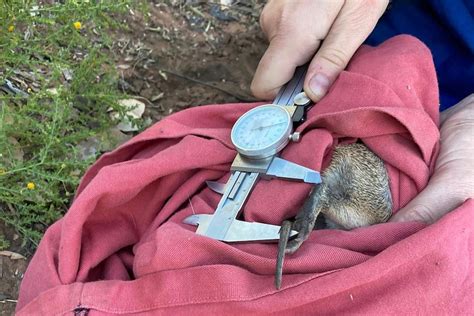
[{"x": 258, "y": 135}]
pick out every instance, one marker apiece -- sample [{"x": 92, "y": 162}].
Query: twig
[
  {"x": 238, "y": 97},
  {"x": 143, "y": 98},
  {"x": 192, "y": 207},
  {"x": 8, "y": 300},
  {"x": 11, "y": 208},
  {"x": 197, "y": 11}
]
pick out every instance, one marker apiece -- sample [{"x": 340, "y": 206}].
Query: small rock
[
  {"x": 88, "y": 148},
  {"x": 112, "y": 138},
  {"x": 134, "y": 109},
  {"x": 67, "y": 74}
]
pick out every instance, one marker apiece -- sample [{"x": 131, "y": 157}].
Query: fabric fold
[{"x": 122, "y": 246}]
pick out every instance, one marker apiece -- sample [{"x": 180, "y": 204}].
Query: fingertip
[
  {"x": 271, "y": 94},
  {"x": 318, "y": 86},
  {"x": 417, "y": 214},
  {"x": 261, "y": 93},
  {"x": 320, "y": 77},
  {"x": 397, "y": 218}
]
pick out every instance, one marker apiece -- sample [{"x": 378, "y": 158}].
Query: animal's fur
[{"x": 354, "y": 192}]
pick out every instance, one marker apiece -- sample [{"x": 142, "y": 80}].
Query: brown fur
[{"x": 354, "y": 192}]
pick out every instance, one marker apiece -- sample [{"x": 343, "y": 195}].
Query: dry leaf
[
  {"x": 53, "y": 91},
  {"x": 157, "y": 97},
  {"x": 163, "y": 74},
  {"x": 123, "y": 66},
  {"x": 12, "y": 255}
]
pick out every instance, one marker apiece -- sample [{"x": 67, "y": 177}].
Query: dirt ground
[
  {"x": 186, "y": 55},
  {"x": 182, "y": 54}
]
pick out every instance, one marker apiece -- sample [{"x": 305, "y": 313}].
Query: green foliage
[
  {"x": 40, "y": 161},
  {"x": 4, "y": 244}
]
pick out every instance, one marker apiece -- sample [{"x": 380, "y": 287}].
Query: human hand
[
  {"x": 296, "y": 29},
  {"x": 453, "y": 178}
]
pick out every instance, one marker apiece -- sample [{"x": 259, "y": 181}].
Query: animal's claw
[
  {"x": 294, "y": 245},
  {"x": 304, "y": 230}
]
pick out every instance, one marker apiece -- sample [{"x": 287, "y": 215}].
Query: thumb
[
  {"x": 437, "y": 199},
  {"x": 350, "y": 29}
]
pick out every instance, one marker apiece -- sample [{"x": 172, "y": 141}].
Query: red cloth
[{"x": 122, "y": 247}]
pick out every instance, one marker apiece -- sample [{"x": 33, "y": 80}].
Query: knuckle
[
  {"x": 273, "y": 17},
  {"x": 376, "y": 7},
  {"x": 423, "y": 213},
  {"x": 284, "y": 20},
  {"x": 363, "y": 14},
  {"x": 335, "y": 56},
  {"x": 461, "y": 120}
]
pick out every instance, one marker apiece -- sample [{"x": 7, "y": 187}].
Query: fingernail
[{"x": 319, "y": 85}]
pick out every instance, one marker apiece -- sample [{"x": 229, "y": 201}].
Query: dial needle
[{"x": 265, "y": 126}]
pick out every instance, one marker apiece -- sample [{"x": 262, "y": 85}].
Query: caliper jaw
[
  {"x": 223, "y": 224},
  {"x": 239, "y": 230},
  {"x": 274, "y": 167},
  {"x": 281, "y": 168}
]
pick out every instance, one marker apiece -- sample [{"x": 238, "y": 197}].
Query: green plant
[{"x": 57, "y": 54}]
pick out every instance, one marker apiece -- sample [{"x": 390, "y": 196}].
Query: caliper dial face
[{"x": 262, "y": 131}]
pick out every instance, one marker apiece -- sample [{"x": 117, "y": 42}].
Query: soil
[
  {"x": 181, "y": 54},
  {"x": 11, "y": 271}
]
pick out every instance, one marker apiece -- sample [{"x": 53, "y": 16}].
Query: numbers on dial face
[{"x": 261, "y": 128}]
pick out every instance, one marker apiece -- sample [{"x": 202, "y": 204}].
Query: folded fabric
[{"x": 122, "y": 247}]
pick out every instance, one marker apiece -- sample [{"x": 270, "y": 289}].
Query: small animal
[{"x": 354, "y": 192}]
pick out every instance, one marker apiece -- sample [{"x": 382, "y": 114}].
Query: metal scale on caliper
[{"x": 258, "y": 135}]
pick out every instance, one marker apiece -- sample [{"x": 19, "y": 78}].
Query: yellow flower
[
  {"x": 2, "y": 171},
  {"x": 77, "y": 25},
  {"x": 11, "y": 28},
  {"x": 31, "y": 186}
]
